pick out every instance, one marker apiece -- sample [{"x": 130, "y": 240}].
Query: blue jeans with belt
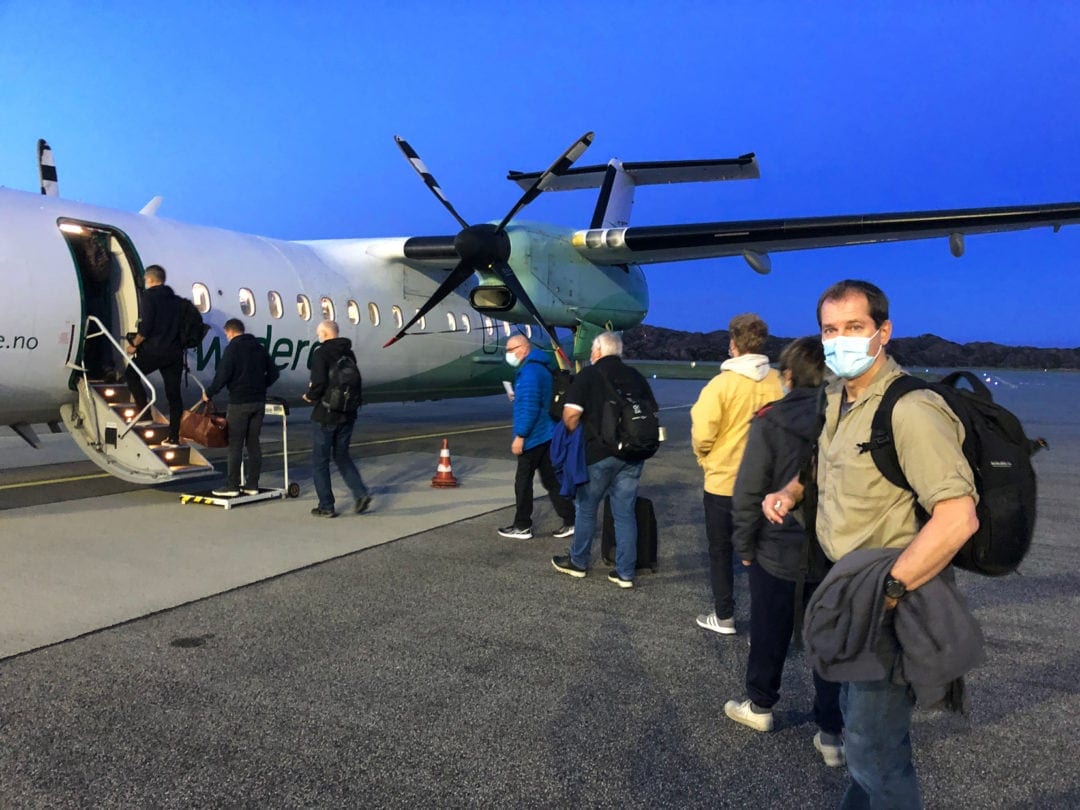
[{"x": 618, "y": 479}]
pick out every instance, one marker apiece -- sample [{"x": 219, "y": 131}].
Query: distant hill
[{"x": 657, "y": 343}]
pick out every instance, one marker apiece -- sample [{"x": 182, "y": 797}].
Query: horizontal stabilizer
[{"x": 649, "y": 173}]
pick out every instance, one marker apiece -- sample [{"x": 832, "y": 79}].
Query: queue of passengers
[{"x": 753, "y": 433}]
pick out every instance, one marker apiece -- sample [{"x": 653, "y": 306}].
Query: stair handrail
[{"x": 102, "y": 331}]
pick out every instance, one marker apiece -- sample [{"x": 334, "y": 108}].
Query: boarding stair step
[
  {"x": 112, "y": 392},
  {"x": 174, "y": 456}
]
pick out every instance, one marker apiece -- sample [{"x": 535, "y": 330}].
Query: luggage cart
[{"x": 275, "y": 406}]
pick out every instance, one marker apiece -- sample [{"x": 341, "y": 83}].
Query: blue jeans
[
  {"x": 877, "y": 743},
  {"x": 331, "y": 443},
  {"x": 618, "y": 479}
]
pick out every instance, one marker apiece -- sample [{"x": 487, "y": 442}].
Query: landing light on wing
[{"x": 71, "y": 227}]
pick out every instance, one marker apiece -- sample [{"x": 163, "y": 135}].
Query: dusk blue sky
[{"x": 278, "y": 119}]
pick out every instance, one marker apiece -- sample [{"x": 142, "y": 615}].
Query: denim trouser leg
[
  {"x": 346, "y": 466},
  {"x": 619, "y": 480},
  {"x": 322, "y": 443},
  {"x": 877, "y": 743}
]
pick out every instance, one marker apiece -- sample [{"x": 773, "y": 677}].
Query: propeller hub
[{"x": 482, "y": 246}]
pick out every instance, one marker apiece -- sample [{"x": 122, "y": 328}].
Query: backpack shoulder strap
[{"x": 881, "y": 444}]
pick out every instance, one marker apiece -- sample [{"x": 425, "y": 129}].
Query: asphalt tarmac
[{"x": 453, "y": 668}]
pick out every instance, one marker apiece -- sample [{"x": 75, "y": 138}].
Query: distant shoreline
[{"x": 647, "y": 342}]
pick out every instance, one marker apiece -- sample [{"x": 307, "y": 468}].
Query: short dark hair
[
  {"x": 879, "y": 303},
  {"x": 156, "y": 272},
  {"x": 805, "y": 358},
  {"x": 234, "y": 325},
  {"x": 748, "y": 332}
]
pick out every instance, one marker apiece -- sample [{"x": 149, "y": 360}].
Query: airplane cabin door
[{"x": 110, "y": 276}]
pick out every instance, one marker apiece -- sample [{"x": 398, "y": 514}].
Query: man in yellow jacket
[{"x": 720, "y": 424}]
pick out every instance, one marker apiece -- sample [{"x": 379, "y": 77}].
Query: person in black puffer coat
[{"x": 781, "y": 559}]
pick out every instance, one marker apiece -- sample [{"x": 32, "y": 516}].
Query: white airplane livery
[{"x": 456, "y": 297}]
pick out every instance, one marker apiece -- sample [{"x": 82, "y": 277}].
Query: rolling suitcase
[{"x": 646, "y": 530}]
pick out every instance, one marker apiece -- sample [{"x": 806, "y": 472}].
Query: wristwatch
[{"x": 894, "y": 588}]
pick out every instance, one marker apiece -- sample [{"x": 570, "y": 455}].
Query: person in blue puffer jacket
[{"x": 532, "y": 439}]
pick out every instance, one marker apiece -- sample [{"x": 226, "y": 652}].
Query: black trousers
[
  {"x": 772, "y": 618},
  {"x": 719, "y": 527},
  {"x": 171, "y": 370},
  {"x": 533, "y": 459},
  {"x": 245, "y": 424}
]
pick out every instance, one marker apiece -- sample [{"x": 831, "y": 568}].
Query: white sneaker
[
  {"x": 744, "y": 713},
  {"x": 832, "y": 754},
  {"x": 225, "y": 493},
  {"x": 709, "y": 621}
]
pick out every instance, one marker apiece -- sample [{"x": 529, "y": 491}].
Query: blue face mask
[{"x": 846, "y": 356}]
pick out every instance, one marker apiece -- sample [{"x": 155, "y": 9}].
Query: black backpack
[
  {"x": 630, "y": 425},
  {"x": 1000, "y": 457},
  {"x": 560, "y": 382},
  {"x": 192, "y": 328},
  {"x": 343, "y": 387}
]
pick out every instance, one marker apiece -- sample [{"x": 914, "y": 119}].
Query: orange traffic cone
[{"x": 444, "y": 476}]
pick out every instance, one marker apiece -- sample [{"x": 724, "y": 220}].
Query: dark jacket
[
  {"x": 568, "y": 459},
  {"x": 326, "y": 354},
  {"x": 532, "y": 395},
  {"x": 159, "y": 324},
  {"x": 589, "y": 392},
  {"x": 779, "y": 443},
  {"x": 929, "y": 641},
  {"x": 246, "y": 370}
]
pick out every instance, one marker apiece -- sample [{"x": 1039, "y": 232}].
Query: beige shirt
[{"x": 857, "y": 507}]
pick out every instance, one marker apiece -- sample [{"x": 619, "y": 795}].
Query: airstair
[{"x": 120, "y": 439}]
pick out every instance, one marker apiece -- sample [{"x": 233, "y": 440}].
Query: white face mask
[
  {"x": 846, "y": 355},
  {"x": 513, "y": 360}
]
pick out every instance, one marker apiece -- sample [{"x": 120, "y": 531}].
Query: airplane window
[
  {"x": 373, "y": 313},
  {"x": 466, "y": 324},
  {"x": 399, "y": 318},
  {"x": 451, "y": 322},
  {"x": 303, "y": 307},
  {"x": 327, "y": 307},
  {"x": 353, "y": 310},
  {"x": 422, "y": 323},
  {"x": 247, "y": 302},
  {"x": 528, "y": 331},
  {"x": 506, "y": 328},
  {"x": 200, "y": 296},
  {"x": 489, "y": 326},
  {"x": 274, "y": 300}
]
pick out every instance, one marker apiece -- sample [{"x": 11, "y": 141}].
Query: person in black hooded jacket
[
  {"x": 780, "y": 557},
  {"x": 332, "y": 430}
]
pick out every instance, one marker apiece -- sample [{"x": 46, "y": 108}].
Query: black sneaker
[
  {"x": 613, "y": 576},
  {"x": 328, "y": 513},
  {"x": 565, "y": 530},
  {"x": 565, "y": 565},
  {"x": 516, "y": 534},
  {"x": 362, "y": 504}
]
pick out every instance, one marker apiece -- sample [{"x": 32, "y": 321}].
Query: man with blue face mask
[
  {"x": 532, "y": 439},
  {"x": 860, "y": 511}
]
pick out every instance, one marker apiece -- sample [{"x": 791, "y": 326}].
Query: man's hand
[
  {"x": 747, "y": 563},
  {"x": 776, "y": 505},
  {"x": 517, "y": 447},
  {"x": 130, "y": 349}
]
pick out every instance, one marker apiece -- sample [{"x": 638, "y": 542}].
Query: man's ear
[{"x": 886, "y": 332}]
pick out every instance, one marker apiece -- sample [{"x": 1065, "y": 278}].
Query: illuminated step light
[
  {"x": 170, "y": 455},
  {"x": 109, "y": 392}
]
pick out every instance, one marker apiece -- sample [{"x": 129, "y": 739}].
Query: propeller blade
[
  {"x": 427, "y": 177},
  {"x": 450, "y": 283},
  {"x": 564, "y": 162},
  {"x": 512, "y": 281}
]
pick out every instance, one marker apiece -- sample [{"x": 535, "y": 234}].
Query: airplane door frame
[{"x": 124, "y": 281}]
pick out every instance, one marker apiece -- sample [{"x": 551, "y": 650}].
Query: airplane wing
[{"x": 754, "y": 239}]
